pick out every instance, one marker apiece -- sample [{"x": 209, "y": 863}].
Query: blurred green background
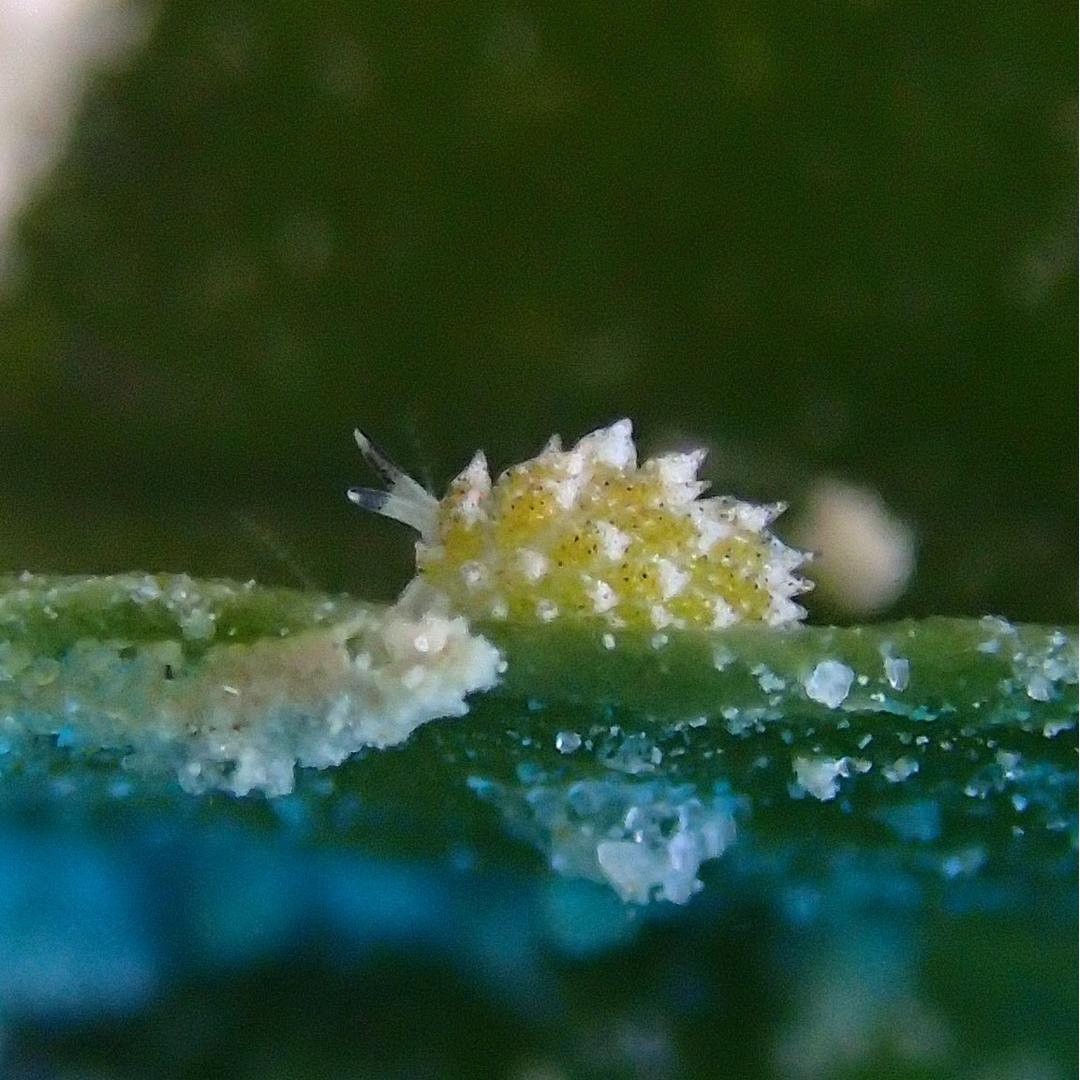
[{"x": 823, "y": 239}]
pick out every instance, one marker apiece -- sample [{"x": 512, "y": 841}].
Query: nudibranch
[{"x": 589, "y": 534}]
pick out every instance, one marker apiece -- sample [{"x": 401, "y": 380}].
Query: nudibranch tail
[
  {"x": 404, "y": 500},
  {"x": 589, "y": 534}
]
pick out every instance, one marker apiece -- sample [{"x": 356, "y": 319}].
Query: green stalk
[
  {"x": 631, "y": 760},
  {"x": 983, "y": 671}
]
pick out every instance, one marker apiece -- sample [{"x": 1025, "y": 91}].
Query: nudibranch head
[{"x": 588, "y": 534}]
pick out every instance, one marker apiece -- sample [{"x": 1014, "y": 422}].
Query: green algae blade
[
  {"x": 983, "y": 670},
  {"x": 638, "y": 760},
  {"x": 980, "y": 669}
]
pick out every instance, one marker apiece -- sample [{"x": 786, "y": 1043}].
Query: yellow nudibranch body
[{"x": 588, "y": 534}]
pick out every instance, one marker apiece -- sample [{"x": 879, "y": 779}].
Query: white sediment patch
[
  {"x": 645, "y": 839},
  {"x": 829, "y": 683},
  {"x": 241, "y": 717},
  {"x": 897, "y": 672},
  {"x": 566, "y": 742},
  {"x": 820, "y": 776},
  {"x": 899, "y": 770}
]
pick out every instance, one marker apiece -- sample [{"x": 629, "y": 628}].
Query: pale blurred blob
[
  {"x": 47, "y": 50},
  {"x": 863, "y": 555}
]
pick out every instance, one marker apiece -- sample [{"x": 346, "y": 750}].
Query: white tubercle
[{"x": 612, "y": 446}]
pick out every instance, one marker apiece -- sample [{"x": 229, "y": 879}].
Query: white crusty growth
[{"x": 242, "y": 716}]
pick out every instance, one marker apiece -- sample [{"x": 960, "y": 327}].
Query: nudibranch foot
[{"x": 588, "y": 534}]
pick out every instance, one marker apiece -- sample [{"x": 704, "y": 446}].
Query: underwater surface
[{"x": 754, "y": 852}]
